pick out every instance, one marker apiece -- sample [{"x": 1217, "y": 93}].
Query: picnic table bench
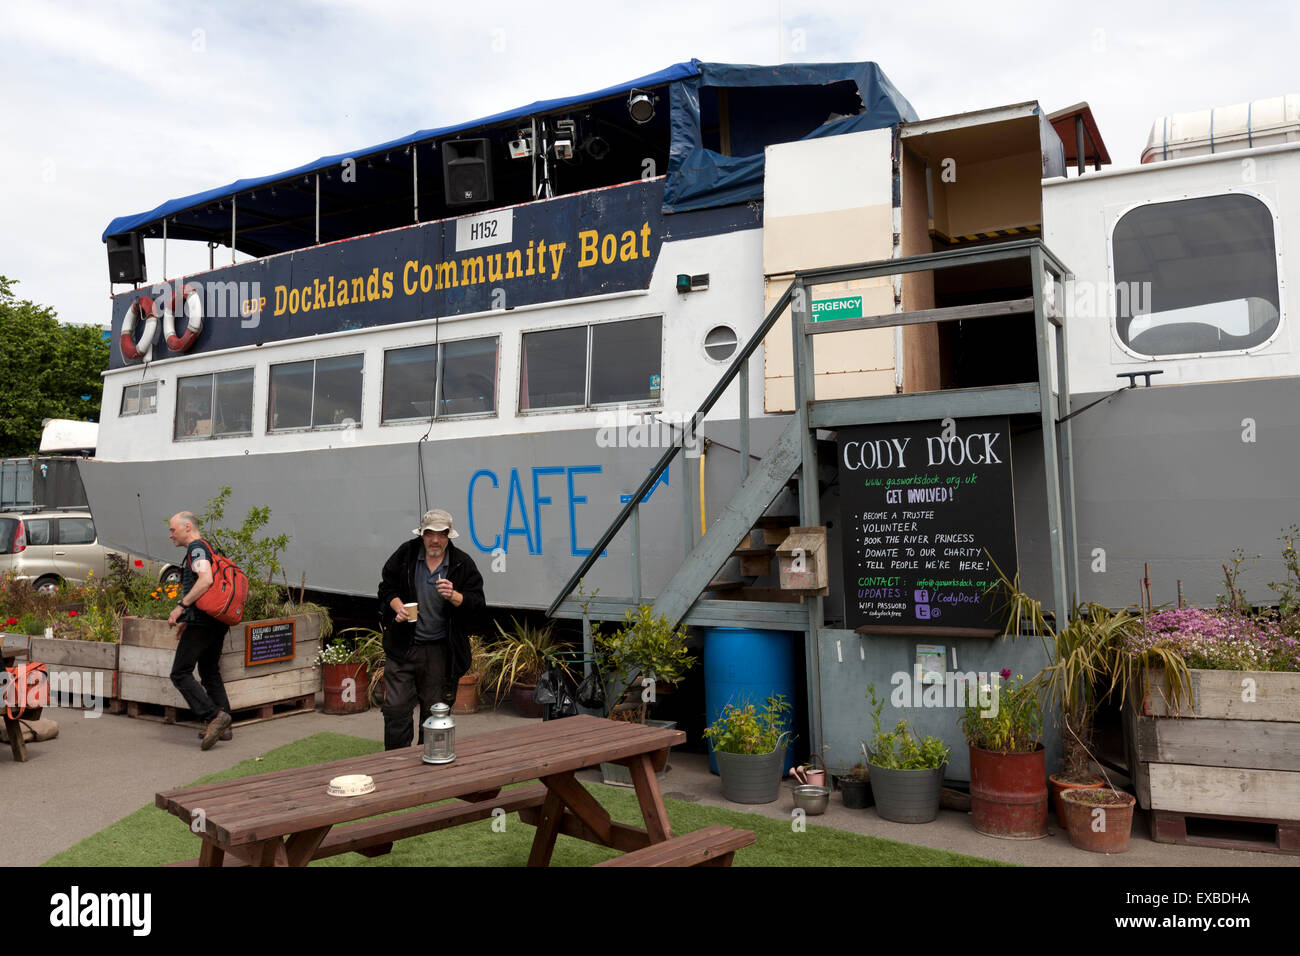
[{"x": 288, "y": 818}]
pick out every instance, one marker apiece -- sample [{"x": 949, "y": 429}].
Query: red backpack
[{"x": 224, "y": 601}]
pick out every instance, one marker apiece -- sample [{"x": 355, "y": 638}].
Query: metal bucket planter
[
  {"x": 906, "y": 796},
  {"x": 752, "y": 778},
  {"x": 342, "y": 697},
  {"x": 1009, "y": 794}
]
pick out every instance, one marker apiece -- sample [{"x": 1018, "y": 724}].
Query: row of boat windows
[{"x": 579, "y": 367}]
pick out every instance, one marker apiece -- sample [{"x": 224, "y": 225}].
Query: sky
[{"x": 112, "y": 108}]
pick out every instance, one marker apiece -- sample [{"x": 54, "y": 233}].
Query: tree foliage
[{"x": 45, "y": 369}]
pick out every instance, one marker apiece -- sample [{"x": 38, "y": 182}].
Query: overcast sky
[{"x": 111, "y": 108}]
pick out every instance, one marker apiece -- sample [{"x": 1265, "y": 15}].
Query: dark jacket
[{"x": 399, "y": 581}]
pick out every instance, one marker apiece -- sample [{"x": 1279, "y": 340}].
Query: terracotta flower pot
[
  {"x": 1059, "y": 786},
  {"x": 1096, "y": 825},
  {"x": 342, "y": 697},
  {"x": 467, "y": 696},
  {"x": 521, "y": 695},
  {"x": 1009, "y": 794}
]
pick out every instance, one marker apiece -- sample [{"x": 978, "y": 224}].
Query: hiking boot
[
  {"x": 228, "y": 735},
  {"x": 216, "y": 727}
]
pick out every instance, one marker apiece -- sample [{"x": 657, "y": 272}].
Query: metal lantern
[{"x": 439, "y": 736}]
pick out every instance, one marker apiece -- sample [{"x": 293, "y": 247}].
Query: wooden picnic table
[{"x": 288, "y": 818}]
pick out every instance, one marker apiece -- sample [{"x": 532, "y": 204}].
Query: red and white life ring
[
  {"x": 192, "y": 304},
  {"x": 142, "y": 306}
]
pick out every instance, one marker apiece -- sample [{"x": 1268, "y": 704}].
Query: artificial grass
[{"x": 151, "y": 837}]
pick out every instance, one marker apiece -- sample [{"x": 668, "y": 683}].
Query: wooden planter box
[
  {"x": 1224, "y": 756},
  {"x": 148, "y": 647},
  {"x": 86, "y": 670}
]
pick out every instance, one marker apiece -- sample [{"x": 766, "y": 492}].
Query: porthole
[{"x": 721, "y": 343}]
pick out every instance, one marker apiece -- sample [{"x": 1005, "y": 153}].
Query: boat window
[
  {"x": 76, "y": 531},
  {"x": 290, "y": 401},
  {"x": 462, "y": 382},
  {"x": 1196, "y": 275},
  {"x": 320, "y": 393},
  {"x": 553, "y": 371},
  {"x": 469, "y": 377},
  {"x": 625, "y": 361},
  {"x": 140, "y": 399},
  {"x": 217, "y": 405},
  {"x": 625, "y": 365}
]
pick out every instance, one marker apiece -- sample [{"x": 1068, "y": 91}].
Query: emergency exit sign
[{"x": 845, "y": 307}]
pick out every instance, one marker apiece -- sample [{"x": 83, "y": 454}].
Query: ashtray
[{"x": 351, "y": 785}]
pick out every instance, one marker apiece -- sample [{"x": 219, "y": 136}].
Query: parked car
[{"x": 47, "y": 547}]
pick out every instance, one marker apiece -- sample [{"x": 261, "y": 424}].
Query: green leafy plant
[
  {"x": 645, "y": 646},
  {"x": 900, "y": 749},
  {"x": 1012, "y": 721},
  {"x": 519, "y": 656},
  {"x": 54, "y": 370},
  {"x": 749, "y": 730},
  {"x": 1095, "y": 656},
  {"x": 253, "y": 552}
]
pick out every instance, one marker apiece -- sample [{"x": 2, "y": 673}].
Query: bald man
[{"x": 200, "y": 636}]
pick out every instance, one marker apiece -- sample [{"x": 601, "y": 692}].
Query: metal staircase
[{"x": 794, "y": 453}]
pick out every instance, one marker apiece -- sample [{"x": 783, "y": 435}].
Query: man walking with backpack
[{"x": 201, "y": 636}]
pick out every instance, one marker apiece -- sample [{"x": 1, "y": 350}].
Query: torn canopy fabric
[{"x": 700, "y": 176}]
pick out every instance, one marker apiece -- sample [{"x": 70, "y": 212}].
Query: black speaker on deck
[
  {"x": 466, "y": 171},
  {"x": 126, "y": 258}
]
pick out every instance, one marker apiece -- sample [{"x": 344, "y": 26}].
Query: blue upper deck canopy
[{"x": 711, "y": 124}]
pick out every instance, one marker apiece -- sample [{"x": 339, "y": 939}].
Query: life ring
[
  {"x": 146, "y": 306},
  {"x": 192, "y": 304}
]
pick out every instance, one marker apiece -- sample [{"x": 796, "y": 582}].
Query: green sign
[{"x": 845, "y": 307}]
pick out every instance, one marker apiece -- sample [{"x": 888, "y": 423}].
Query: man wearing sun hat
[{"x": 426, "y": 657}]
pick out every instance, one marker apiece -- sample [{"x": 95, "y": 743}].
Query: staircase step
[
  {"x": 777, "y": 521},
  {"x": 752, "y": 553},
  {"x": 774, "y": 615},
  {"x": 771, "y": 595},
  {"x": 724, "y": 585}
]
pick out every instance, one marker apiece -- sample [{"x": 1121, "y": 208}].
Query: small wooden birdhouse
[{"x": 802, "y": 558}]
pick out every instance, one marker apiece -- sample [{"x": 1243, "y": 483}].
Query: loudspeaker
[
  {"x": 126, "y": 258},
  {"x": 466, "y": 171}
]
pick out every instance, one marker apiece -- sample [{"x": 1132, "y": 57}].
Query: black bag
[{"x": 591, "y": 692}]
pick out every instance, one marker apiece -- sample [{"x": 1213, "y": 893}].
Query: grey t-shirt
[{"x": 431, "y": 625}]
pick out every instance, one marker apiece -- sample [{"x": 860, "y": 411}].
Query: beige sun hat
[{"x": 436, "y": 520}]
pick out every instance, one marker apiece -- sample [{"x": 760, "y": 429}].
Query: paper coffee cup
[{"x": 412, "y": 611}]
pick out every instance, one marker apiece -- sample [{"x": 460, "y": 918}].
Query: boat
[{"x": 570, "y": 324}]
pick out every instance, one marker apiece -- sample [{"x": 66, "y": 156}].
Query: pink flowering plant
[{"x": 1223, "y": 638}]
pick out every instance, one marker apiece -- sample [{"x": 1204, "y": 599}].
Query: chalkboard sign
[
  {"x": 269, "y": 642},
  {"x": 921, "y": 504}
]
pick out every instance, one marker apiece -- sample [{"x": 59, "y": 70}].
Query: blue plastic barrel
[{"x": 742, "y": 665}]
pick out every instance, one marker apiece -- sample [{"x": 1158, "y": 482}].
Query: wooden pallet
[
  {"x": 304, "y": 704},
  {"x": 1226, "y": 833}
]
